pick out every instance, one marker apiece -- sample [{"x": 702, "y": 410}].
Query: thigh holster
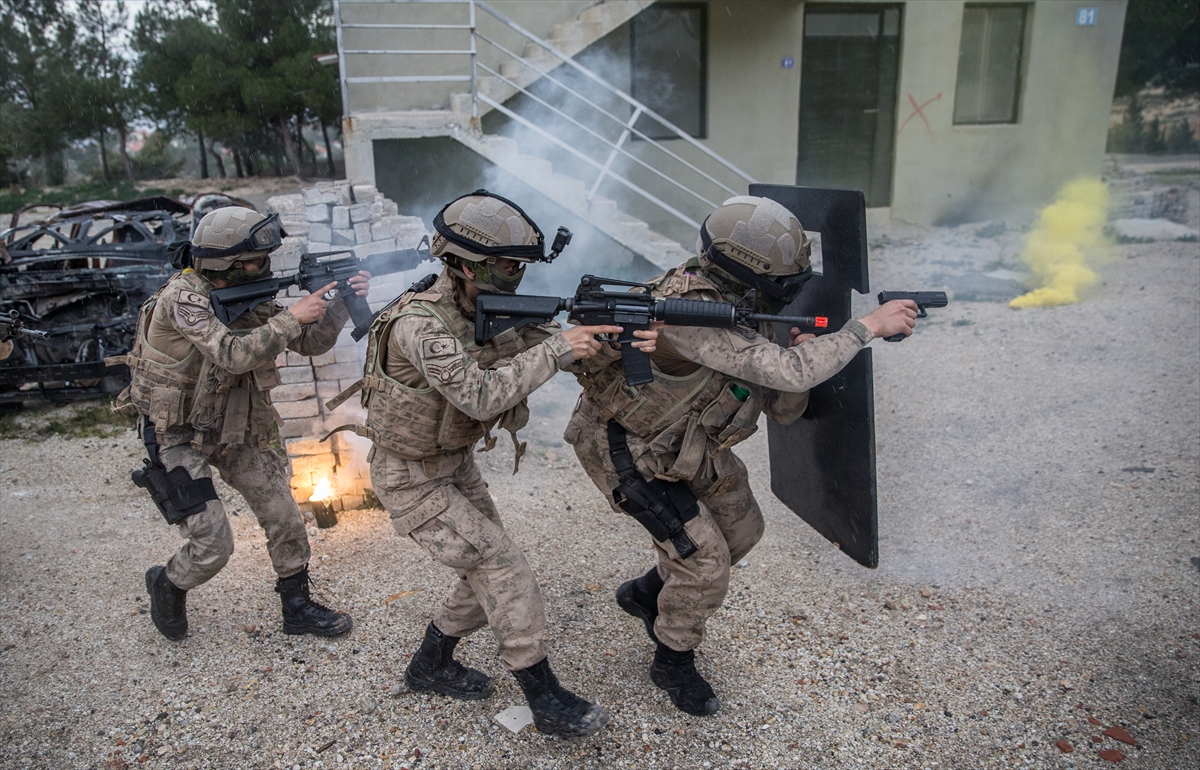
[
  {"x": 176, "y": 494},
  {"x": 662, "y": 507}
]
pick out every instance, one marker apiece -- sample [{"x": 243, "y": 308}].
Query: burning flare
[
  {"x": 323, "y": 492},
  {"x": 1057, "y": 249}
]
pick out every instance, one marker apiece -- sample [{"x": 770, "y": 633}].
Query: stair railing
[{"x": 627, "y": 126}]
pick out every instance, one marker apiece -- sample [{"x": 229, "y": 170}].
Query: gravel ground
[{"x": 1039, "y": 473}]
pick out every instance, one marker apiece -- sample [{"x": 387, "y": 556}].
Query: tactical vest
[
  {"x": 415, "y": 423},
  {"x": 217, "y": 404},
  {"x": 684, "y": 420}
]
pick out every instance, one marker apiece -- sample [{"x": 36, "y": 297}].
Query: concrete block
[
  {"x": 360, "y": 212},
  {"x": 286, "y": 206},
  {"x": 339, "y": 371},
  {"x": 314, "y": 196},
  {"x": 364, "y": 250},
  {"x": 341, "y": 217},
  {"x": 284, "y": 261},
  {"x": 327, "y": 389},
  {"x": 390, "y": 209},
  {"x": 325, "y": 359},
  {"x": 298, "y": 427},
  {"x": 281, "y": 360},
  {"x": 343, "y": 238},
  {"x": 316, "y": 247},
  {"x": 320, "y": 232},
  {"x": 362, "y": 232},
  {"x": 346, "y": 355},
  {"x": 290, "y": 410},
  {"x": 295, "y": 359},
  {"x": 306, "y": 446},
  {"x": 291, "y": 393},
  {"x": 317, "y": 464},
  {"x": 377, "y": 209},
  {"x": 365, "y": 192},
  {"x": 294, "y": 375},
  {"x": 350, "y": 502},
  {"x": 318, "y": 213}
]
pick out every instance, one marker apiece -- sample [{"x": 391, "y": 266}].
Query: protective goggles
[
  {"x": 534, "y": 252},
  {"x": 267, "y": 235},
  {"x": 783, "y": 288}
]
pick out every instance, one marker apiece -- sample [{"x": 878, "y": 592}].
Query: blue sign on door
[
  {"x": 1085, "y": 17},
  {"x": 789, "y": 62}
]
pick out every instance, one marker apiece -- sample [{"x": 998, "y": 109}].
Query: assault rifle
[
  {"x": 11, "y": 326},
  {"x": 230, "y": 302},
  {"x": 923, "y": 299},
  {"x": 592, "y": 305}
]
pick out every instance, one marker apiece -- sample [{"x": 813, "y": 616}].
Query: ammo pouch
[
  {"x": 174, "y": 491},
  {"x": 662, "y": 507}
]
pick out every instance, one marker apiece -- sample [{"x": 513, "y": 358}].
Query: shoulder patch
[
  {"x": 192, "y": 310},
  {"x": 448, "y": 372},
  {"x": 440, "y": 346}
]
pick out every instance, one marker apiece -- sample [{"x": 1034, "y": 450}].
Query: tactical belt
[
  {"x": 662, "y": 507},
  {"x": 174, "y": 491}
]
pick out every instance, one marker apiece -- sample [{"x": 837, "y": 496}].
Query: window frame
[
  {"x": 1020, "y": 75},
  {"x": 648, "y": 128}
]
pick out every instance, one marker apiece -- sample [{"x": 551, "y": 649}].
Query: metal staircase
[{"x": 545, "y": 103}]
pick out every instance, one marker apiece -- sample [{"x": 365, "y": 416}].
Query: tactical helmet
[
  {"x": 230, "y": 235},
  {"x": 483, "y": 227},
  {"x": 760, "y": 244}
]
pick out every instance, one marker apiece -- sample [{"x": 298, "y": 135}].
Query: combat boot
[
  {"x": 301, "y": 615},
  {"x": 676, "y": 673},
  {"x": 639, "y": 597},
  {"x": 557, "y": 710},
  {"x": 434, "y": 669},
  {"x": 168, "y": 604}
]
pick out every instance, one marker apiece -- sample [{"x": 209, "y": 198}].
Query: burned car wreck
[{"x": 80, "y": 275}]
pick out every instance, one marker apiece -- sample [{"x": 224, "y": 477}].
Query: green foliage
[
  {"x": 157, "y": 158},
  {"x": 1159, "y": 47},
  {"x": 1134, "y": 135},
  {"x": 79, "y": 421},
  {"x": 80, "y": 193}
]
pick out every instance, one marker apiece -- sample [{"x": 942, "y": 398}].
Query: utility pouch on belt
[
  {"x": 662, "y": 507},
  {"x": 174, "y": 491}
]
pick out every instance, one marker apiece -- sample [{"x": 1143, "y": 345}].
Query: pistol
[{"x": 923, "y": 299}]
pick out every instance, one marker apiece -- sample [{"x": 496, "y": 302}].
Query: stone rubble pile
[{"x": 328, "y": 217}]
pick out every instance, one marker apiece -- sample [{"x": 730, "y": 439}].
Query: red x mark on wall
[{"x": 918, "y": 113}]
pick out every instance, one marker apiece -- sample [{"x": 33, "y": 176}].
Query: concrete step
[
  {"x": 568, "y": 37},
  {"x": 571, "y": 193}
]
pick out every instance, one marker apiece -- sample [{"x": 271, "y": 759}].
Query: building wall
[
  {"x": 942, "y": 173},
  {"x": 538, "y": 16},
  {"x": 946, "y": 173}
]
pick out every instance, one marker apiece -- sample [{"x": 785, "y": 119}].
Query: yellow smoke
[{"x": 1057, "y": 250}]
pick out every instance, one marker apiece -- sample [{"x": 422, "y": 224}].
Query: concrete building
[{"x": 637, "y": 117}]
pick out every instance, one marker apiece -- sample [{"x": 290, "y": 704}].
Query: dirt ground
[{"x": 1036, "y": 603}]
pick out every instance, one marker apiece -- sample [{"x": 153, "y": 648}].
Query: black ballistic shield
[{"x": 823, "y": 465}]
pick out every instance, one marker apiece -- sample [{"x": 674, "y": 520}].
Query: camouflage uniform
[
  {"x": 6, "y": 349},
  {"x": 682, "y": 427},
  {"x": 432, "y": 397},
  {"x": 206, "y": 388}
]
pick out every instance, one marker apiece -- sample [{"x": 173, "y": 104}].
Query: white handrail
[
  {"x": 616, "y": 148},
  {"x": 613, "y": 89},
  {"x": 547, "y": 135}
]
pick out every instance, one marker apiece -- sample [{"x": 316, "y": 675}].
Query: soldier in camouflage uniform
[
  {"x": 431, "y": 394},
  {"x": 205, "y": 387},
  {"x": 673, "y": 436}
]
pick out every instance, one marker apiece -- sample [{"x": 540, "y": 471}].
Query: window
[
  {"x": 667, "y": 51},
  {"x": 989, "y": 64}
]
